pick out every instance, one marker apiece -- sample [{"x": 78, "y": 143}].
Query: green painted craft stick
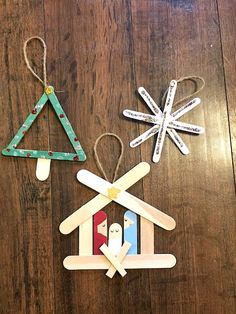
[{"x": 48, "y": 95}]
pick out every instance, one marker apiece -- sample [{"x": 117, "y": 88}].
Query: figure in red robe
[{"x": 99, "y": 231}]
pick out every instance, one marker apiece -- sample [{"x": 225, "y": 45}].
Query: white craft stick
[
  {"x": 123, "y": 252},
  {"x": 150, "y": 102},
  {"x": 150, "y": 132},
  {"x": 113, "y": 260},
  {"x": 144, "y": 136},
  {"x": 43, "y": 168},
  {"x": 100, "y": 201},
  {"x": 76, "y": 262},
  {"x": 125, "y": 199},
  {"x": 178, "y": 141},
  {"x": 186, "y": 108},
  {"x": 136, "y": 115},
  {"x": 186, "y": 127},
  {"x": 155, "y": 109},
  {"x": 86, "y": 237},
  {"x": 165, "y": 121},
  {"x": 115, "y": 238}
]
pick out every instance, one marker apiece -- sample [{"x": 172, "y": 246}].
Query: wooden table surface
[{"x": 99, "y": 53}]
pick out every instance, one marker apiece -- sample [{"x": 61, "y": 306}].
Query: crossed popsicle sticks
[
  {"x": 115, "y": 192},
  {"x": 164, "y": 122},
  {"x": 116, "y": 261}
]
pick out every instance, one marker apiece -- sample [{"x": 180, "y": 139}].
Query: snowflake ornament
[{"x": 164, "y": 122}]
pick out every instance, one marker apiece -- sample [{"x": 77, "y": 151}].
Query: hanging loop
[
  {"x": 186, "y": 78},
  {"x": 119, "y": 159},
  {"x": 44, "y": 80}
]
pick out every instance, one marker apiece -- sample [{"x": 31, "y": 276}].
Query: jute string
[
  {"x": 195, "y": 79},
  {"x": 44, "y": 80},
  {"x": 98, "y": 162}
]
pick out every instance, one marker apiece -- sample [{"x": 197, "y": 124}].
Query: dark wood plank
[
  {"x": 91, "y": 60},
  {"x": 227, "y": 24},
  {"x": 173, "y": 39},
  {"x": 99, "y": 53},
  {"x": 25, "y": 245}
]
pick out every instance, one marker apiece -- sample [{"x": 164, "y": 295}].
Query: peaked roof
[{"x": 48, "y": 95}]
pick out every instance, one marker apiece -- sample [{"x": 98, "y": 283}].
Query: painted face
[
  {"x": 127, "y": 222},
  {"x": 102, "y": 228},
  {"x": 115, "y": 231}
]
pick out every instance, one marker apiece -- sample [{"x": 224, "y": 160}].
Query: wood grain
[
  {"x": 27, "y": 278},
  {"x": 99, "y": 53},
  {"x": 227, "y": 25}
]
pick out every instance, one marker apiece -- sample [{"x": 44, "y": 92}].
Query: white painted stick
[
  {"x": 186, "y": 127},
  {"x": 127, "y": 200},
  {"x": 165, "y": 121},
  {"x": 115, "y": 238},
  {"x": 145, "y": 117},
  {"x": 144, "y": 136},
  {"x": 77, "y": 262},
  {"x": 86, "y": 237},
  {"x": 186, "y": 108},
  {"x": 150, "y": 102},
  {"x": 178, "y": 141},
  {"x": 123, "y": 252},
  {"x": 173, "y": 124},
  {"x": 43, "y": 168},
  {"x": 157, "y": 111},
  {"x": 158, "y": 114},
  {"x": 100, "y": 201},
  {"x": 113, "y": 260}
]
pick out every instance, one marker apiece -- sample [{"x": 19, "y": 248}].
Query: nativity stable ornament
[
  {"x": 44, "y": 157},
  {"x": 113, "y": 254},
  {"x": 165, "y": 122}
]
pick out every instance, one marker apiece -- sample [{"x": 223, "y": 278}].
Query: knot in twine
[
  {"x": 44, "y": 80},
  {"x": 182, "y": 79},
  {"x": 97, "y": 160}
]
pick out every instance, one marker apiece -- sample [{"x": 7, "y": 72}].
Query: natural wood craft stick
[
  {"x": 86, "y": 237},
  {"x": 113, "y": 259},
  {"x": 100, "y": 201},
  {"x": 77, "y": 262},
  {"x": 123, "y": 252},
  {"x": 127, "y": 200},
  {"x": 146, "y": 236}
]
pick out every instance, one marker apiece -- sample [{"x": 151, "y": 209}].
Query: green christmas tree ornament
[{"x": 44, "y": 157}]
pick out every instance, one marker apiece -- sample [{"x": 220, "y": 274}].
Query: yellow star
[
  {"x": 113, "y": 192},
  {"x": 49, "y": 90}
]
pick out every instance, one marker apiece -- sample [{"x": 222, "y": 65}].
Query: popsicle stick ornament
[
  {"x": 117, "y": 256},
  {"x": 166, "y": 122},
  {"x": 44, "y": 157}
]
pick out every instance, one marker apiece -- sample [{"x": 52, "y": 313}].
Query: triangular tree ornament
[
  {"x": 48, "y": 95},
  {"x": 44, "y": 157}
]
